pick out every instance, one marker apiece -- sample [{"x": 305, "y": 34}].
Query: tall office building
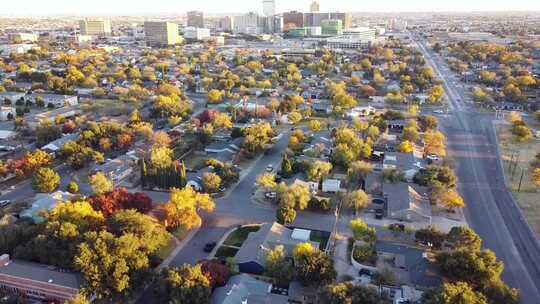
[
  {"x": 226, "y": 24},
  {"x": 195, "y": 19},
  {"x": 332, "y": 27},
  {"x": 95, "y": 27},
  {"x": 292, "y": 20},
  {"x": 346, "y": 19},
  {"x": 316, "y": 19},
  {"x": 269, "y": 7},
  {"x": 314, "y": 7},
  {"x": 250, "y": 23},
  {"x": 161, "y": 33}
]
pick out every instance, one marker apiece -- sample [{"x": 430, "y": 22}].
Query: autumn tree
[
  {"x": 216, "y": 272},
  {"x": 161, "y": 157},
  {"x": 319, "y": 170},
  {"x": 312, "y": 265},
  {"x": 464, "y": 237},
  {"x": 211, "y": 182},
  {"x": 296, "y": 196},
  {"x": 185, "y": 284},
  {"x": 278, "y": 266},
  {"x": 183, "y": 208},
  {"x": 357, "y": 200},
  {"x": 45, "y": 180},
  {"x": 285, "y": 214},
  {"x": 258, "y": 137},
  {"x": 267, "y": 181},
  {"x": 100, "y": 183},
  {"x": 435, "y": 143},
  {"x": 406, "y": 147},
  {"x": 358, "y": 170}
]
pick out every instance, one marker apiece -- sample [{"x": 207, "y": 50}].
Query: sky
[{"x": 148, "y": 7}]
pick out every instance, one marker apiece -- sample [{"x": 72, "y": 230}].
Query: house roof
[
  {"x": 403, "y": 161},
  {"x": 45, "y": 201},
  {"x": 243, "y": 287},
  {"x": 421, "y": 270},
  {"x": 267, "y": 238},
  {"x": 60, "y": 142},
  {"x": 402, "y": 196},
  {"x": 40, "y": 273}
]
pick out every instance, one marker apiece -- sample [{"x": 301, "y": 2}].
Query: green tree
[
  {"x": 100, "y": 183},
  {"x": 46, "y": 180},
  {"x": 279, "y": 267},
  {"x": 361, "y": 231},
  {"x": 286, "y": 167},
  {"x": 348, "y": 293},
  {"x": 454, "y": 293},
  {"x": 464, "y": 237},
  {"x": 296, "y": 196}
]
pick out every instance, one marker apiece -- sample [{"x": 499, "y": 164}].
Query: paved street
[{"x": 491, "y": 211}]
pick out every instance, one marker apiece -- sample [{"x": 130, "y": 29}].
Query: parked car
[
  {"x": 4, "y": 203},
  {"x": 397, "y": 227},
  {"x": 209, "y": 247},
  {"x": 269, "y": 168},
  {"x": 379, "y": 214},
  {"x": 438, "y": 111},
  {"x": 366, "y": 272},
  {"x": 270, "y": 195}
]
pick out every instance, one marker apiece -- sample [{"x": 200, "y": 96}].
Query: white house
[
  {"x": 5, "y": 112},
  {"x": 56, "y": 99}
]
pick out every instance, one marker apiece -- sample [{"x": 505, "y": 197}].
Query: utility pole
[{"x": 521, "y": 178}]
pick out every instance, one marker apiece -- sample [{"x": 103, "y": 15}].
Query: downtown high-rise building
[
  {"x": 314, "y": 7},
  {"x": 95, "y": 27},
  {"x": 269, "y": 7},
  {"x": 161, "y": 33},
  {"x": 195, "y": 19},
  {"x": 292, "y": 20}
]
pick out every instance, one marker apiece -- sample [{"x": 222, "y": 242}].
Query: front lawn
[
  {"x": 237, "y": 237},
  {"x": 225, "y": 252}
]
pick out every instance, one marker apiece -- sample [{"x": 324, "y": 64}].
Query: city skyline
[{"x": 120, "y": 7}]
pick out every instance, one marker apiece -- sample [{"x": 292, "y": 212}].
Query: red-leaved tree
[{"x": 217, "y": 273}]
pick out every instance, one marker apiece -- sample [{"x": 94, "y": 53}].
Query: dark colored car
[
  {"x": 209, "y": 247},
  {"x": 379, "y": 214},
  {"x": 397, "y": 227}
]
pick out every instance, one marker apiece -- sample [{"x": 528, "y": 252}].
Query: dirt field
[{"x": 529, "y": 196}]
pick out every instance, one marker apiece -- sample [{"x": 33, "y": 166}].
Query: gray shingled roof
[
  {"x": 41, "y": 273},
  {"x": 267, "y": 238},
  {"x": 244, "y": 287}
]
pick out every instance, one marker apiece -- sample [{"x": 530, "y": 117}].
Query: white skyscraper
[{"x": 269, "y": 7}]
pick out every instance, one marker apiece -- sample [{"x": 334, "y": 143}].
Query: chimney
[{"x": 4, "y": 259}]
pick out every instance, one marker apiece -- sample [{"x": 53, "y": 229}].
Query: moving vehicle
[{"x": 209, "y": 247}]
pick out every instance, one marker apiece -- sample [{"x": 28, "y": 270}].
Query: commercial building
[
  {"x": 161, "y": 33},
  {"x": 316, "y": 18},
  {"x": 314, "y": 7},
  {"x": 23, "y": 37},
  {"x": 195, "y": 19},
  {"x": 292, "y": 20},
  {"x": 37, "y": 281},
  {"x": 250, "y": 23},
  {"x": 269, "y": 7},
  {"x": 332, "y": 27},
  {"x": 273, "y": 24},
  {"x": 196, "y": 33},
  {"x": 363, "y": 33},
  {"x": 95, "y": 27},
  {"x": 226, "y": 24}
]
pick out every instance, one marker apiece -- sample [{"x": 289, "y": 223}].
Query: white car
[
  {"x": 438, "y": 111},
  {"x": 269, "y": 168}
]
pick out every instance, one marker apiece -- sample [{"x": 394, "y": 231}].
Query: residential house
[
  {"x": 243, "y": 288},
  {"x": 414, "y": 263},
  {"x": 117, "y": 169},
  {"x": 44, "y": 201},
  {"x": 7, "y": 113},
  {"x": 64, "y": 112},
  {"x": 405, "y": 162},
  {"x": 57, "y": 145},
  {"x": 405, "y": 203},
  {"x": 57, "y": 100},
  {"x": 38, "y": 282},
  {"x": 251, "y": 257}
]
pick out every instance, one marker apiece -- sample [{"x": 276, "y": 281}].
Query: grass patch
[
  {"x": 527, "y": 198},
  {"x": 237, "y": 237},
  {"x": 164, "y": 251},
  {"x": 225, "y": 252}
]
